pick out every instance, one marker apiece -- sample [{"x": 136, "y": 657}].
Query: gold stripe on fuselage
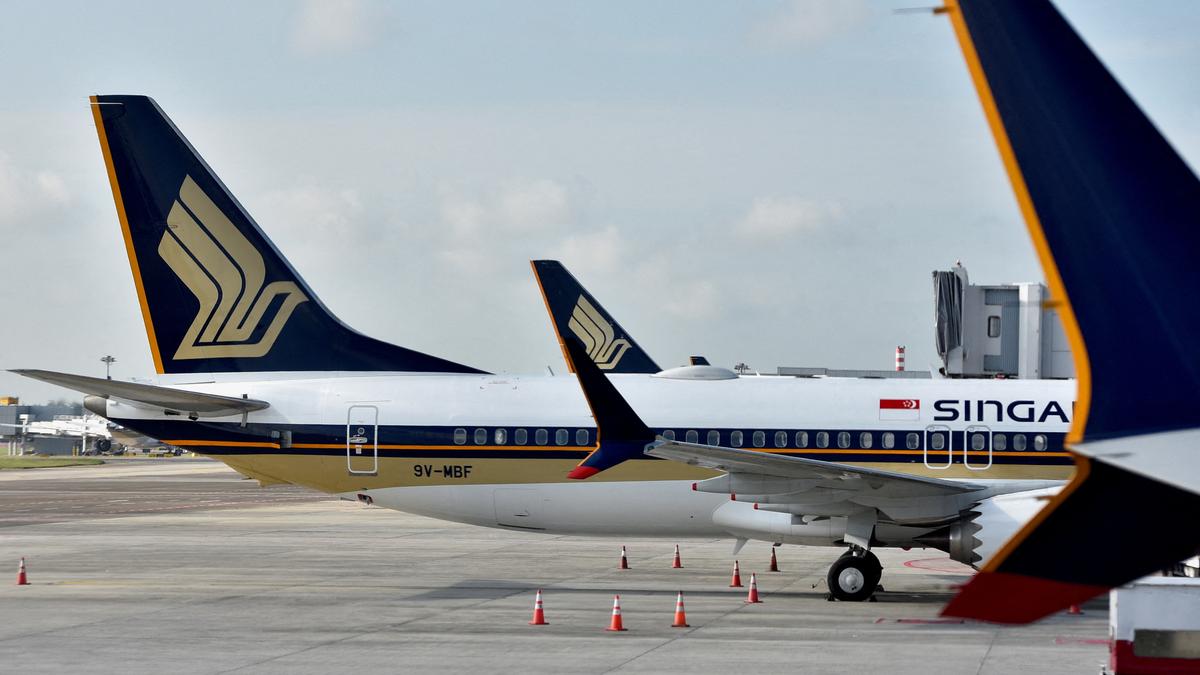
[{"x": 329, "y": 473}]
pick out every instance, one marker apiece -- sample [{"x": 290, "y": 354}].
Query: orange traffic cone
[
  {"x": 752, "y": 597},
  {"x": 624, "y": 561},
  {"x": 539, "y": 616},
  {"x": 736, "y": 582},
  {"x": 22, "y": 580},
  {"x": 774, "y": 563},
  {"x": 615, "y": 624},
  {"x": 677, "y": 563},
  {"x": 680, "y": 616},
  {"x": 1074, "y": 610}
]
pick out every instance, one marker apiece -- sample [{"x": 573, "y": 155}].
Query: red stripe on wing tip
[
  {"x": 582, "y": 472},
  {"x": 1000, "y": 597}
]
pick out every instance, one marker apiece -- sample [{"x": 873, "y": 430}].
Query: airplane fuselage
[{"x": 494, "y": 450}]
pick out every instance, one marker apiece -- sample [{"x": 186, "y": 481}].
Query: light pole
[{"x": 108, "y": 361}]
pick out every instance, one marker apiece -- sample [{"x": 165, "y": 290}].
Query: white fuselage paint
[{"x": 642, "y": 508}]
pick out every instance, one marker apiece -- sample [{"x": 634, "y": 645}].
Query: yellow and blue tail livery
[
  {"x": 216, "y": 294},
  {"x": 575, "y": 313}
]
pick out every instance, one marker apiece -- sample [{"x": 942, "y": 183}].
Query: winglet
[
  {"x": 1112, "y": 212},
  {"x": 620, "y": 433}
]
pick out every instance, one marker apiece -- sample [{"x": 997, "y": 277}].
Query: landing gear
[{"x": 854, "y": 576}]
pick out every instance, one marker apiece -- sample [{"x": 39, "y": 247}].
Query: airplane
[
  {"x": 574, "y": 311},
  {"x": 255, "y": 371},
  {"x": 87, "y": 428},
  {"x": 1113, "y": 213}
]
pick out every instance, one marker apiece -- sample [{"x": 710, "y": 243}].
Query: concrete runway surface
[{"x": 181, "y": 566}]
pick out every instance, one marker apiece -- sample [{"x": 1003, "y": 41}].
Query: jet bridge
[{"x": 1007, "y": 330}]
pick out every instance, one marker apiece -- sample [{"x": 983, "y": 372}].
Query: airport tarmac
[{"x": 182, "y": 566}]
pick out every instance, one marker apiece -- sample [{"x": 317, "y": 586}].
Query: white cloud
[
  {"x": 808, "y": 22},
  {"x": 598, "y": 252},
  {"x": 772, "y": 217},
  {"x": 325, "y": 26},
  {"x": 311, "y": 208},
  {"x": 25, "y": 192},
  {"x": 533, "y": 205}
]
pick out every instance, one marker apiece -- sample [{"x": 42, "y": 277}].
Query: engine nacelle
[{"x": 985, "y": 528}]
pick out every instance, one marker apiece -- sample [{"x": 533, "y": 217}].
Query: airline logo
[
  {"x": 597, "y": 334},
  {"x": 899, "y": 409},
  {"x": 227, "y": 275}
]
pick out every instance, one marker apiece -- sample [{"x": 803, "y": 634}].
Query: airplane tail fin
[
  {"x": 216, "y": 294},
  {"x": 573, "y": 311},
  {"x": 1114, "y": 214}
]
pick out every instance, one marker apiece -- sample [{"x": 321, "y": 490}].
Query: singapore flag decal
[{"x": 899, "y": 409}]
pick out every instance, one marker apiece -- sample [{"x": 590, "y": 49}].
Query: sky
[{"x": 759, "y": 182}]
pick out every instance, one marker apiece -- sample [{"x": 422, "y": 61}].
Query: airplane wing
[
  {"x": 150, "y": 396},
  {"x": 764, "y": 464},
  {"x": 813, "y": 487},
  {"x": 1112, "y": 212}
]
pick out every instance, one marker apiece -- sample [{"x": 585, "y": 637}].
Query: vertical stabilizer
[{"x": 216, "y": 295}]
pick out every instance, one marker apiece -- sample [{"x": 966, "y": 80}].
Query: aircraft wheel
[{"x": 854, "y": 578}]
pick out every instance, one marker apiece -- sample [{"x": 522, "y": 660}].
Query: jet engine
[{"x": 983, "y": 529}]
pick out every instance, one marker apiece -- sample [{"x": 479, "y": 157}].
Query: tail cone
[
  {"x": 752, "y": 597},
  {"x": 615, "y": 624},
  {"x": 539, "y": 616},
  {"x": 677, "y": 563},
  {"x": 22, "y": 580},
  {"x": 774, "y": 563},
  {"x": 624, "y": 561},
  {"x": 680, "y": 616},
  {"x": 736, "y": 581}
]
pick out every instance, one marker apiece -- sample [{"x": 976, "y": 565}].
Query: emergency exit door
[{"x": 362, "y": 448}]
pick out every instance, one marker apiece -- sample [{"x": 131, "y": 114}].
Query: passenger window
[
  {"x": 937, "y": 441},
  {"x": 520, "y": 436},
  {"x": 978, "y": 441},
  {"x": 1039, "y": 442},
  {"x": 714, "y": 437},
  {"x": 760, "y": 439},
  {"x": 735, "y": 439},
  {"x": 1019, "y": 442},
  {"x": 692, "y": 436},
  {"x": 822, "y": 439},
  {"x": 501, "y": 436},
  {"x": 669, "y": 434},
  {"x": 889, "y": 440},
  {"x": 912, "y": 440},
  {"x": 780, "y": 439},
  {"x": 843, "y": 439},
  {"x": 865, "y": 441},
  {"x": 581, "y": 437},
  {"x": 561, "y": 437},
  {"x": 541, "y": 436},
  {"x": 999, "y": 442},
  {"x": 801, "y": 439},
  {"x": 460, "y": 436},
  {"x": 480, "y": 436}
]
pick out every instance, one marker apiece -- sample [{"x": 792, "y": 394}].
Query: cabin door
[
  {"x": 362, "y": 448},
  {"x": 977, "y": 448}
]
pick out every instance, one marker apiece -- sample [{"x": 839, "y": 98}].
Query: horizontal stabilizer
[{"x": 150, "y": 396}]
